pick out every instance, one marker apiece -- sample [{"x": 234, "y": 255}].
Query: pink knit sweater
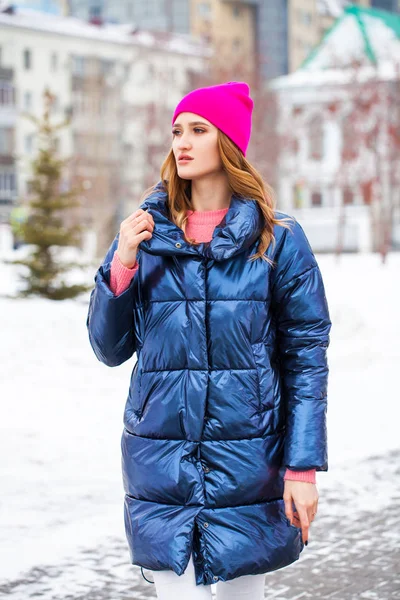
[{"x": 200, "y": 226}]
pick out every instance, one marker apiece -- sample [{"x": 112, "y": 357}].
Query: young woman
[{"x": 222, "y": 299}]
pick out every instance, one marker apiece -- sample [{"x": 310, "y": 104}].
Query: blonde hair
[{"x": 244, "y": 181}]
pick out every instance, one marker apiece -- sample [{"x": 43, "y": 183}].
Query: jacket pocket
[
  {"x": 265, "y": 377},
  {"x": 135, "y": 389},
  {"x": 139, "y": 324},
  {"x": 182, "y": 424},
  {"x": 259, "y": 404}
]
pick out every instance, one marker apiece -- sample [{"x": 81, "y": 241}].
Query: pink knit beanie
[{"x": 228, "y": 106}]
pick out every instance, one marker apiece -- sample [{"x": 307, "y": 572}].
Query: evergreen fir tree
[{"x": 45, "y": 227}]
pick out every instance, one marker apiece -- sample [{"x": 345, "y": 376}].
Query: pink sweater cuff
[
  {"x": 120, "y": 276},
  {"x": 308, "y": 476}
]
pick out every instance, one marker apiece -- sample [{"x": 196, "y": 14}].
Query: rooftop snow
[
  {"x": 385, "y": 71},
  {"x": 366, "y": 35},
  {"x": 124, "y": 34}
]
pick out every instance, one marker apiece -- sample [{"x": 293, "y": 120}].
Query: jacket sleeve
[
  {"x": 303, "y": 326},
  {"x": 110, "y": 320},
  {"x": 120, "y": 276}
]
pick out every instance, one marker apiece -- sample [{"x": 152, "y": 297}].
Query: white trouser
[{"x": 170, "y": 586}]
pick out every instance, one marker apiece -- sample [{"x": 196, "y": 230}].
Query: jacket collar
[{"x": 238, "y": 230}]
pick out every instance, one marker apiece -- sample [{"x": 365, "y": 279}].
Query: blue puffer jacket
[{"x": 229, "y": 389}]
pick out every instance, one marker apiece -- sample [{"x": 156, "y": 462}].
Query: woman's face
[{"x": 195, "y": 138}]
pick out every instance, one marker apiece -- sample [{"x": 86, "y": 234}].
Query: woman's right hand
[{"x": 135, "y": 228}]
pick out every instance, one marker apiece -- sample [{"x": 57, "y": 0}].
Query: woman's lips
[{"x": 184, "y": 160}]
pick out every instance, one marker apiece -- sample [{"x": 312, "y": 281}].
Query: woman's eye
[{"x": 196, "y": 129}]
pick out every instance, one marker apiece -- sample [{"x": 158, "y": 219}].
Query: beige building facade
[{"x": 229, "y": 26}]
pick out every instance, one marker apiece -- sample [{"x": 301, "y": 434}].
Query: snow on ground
[{"x": 62, "y": 410}]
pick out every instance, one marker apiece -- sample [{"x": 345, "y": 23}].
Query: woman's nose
[{"x": 183, "y": 143}]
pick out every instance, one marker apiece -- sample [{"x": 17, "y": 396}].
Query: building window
[
  {"x": 29, "y": 143},
  {"x": 316, "y": 145},
  {"x": 77, "y": 102},
  {"x": 316, "y": 199},
  {"x": 204, "y": 10},
  {"x": 236, "y": 11},
  {"x": 7, "y": 186},
  {"x": 27, "y": 100},
  {"x": 348, "y": 196},
  {"x": 129, "y": 12},
  {"x": 349, "y": 133},
  {"x": 78, "y": 65},
  {"x": 107, "y": 67},
  {"x": 6, "y": 140},
  {"x": 54, "y": 61},
  {"x": 27, "y": 60},
  {"x": 6, "y": 94},
  {"x": 236, "y": 44},
  {"x": 307, "y": 18},
  {"x": 304, "y": 17},
  {"x": 367, "y": 191},
  {"x": 94, "y": 12}
]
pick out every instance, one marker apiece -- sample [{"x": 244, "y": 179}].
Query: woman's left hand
[{"x": 305, "y": 497}]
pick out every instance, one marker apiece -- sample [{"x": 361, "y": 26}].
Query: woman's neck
[{"x": 211, "y": 193}]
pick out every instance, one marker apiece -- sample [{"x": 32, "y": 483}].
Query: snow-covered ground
[{"x": 61, "y": 413}]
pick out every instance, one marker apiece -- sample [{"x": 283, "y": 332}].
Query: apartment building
[
  {"x": 228, "y": 26},
  {"x": 120, "y": 86}
]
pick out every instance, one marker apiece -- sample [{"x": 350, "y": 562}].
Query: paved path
[{"x": 352, "y": 555}]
